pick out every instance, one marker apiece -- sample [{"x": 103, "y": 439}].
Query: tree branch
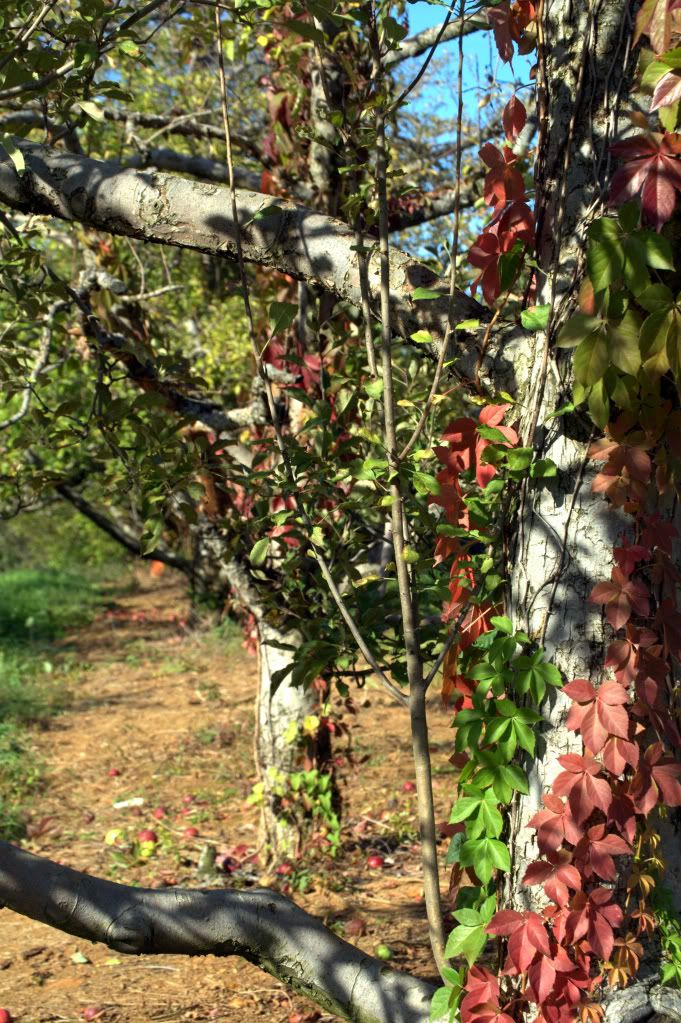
[
  {"x": 118, "y": 533},
  {"x": 259, "y": 925},
  {"x": 278, "y": 234},
  {"x": 422, "y": 41}
]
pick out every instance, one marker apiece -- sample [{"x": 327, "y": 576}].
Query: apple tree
[{"x": 456, "y": 458}]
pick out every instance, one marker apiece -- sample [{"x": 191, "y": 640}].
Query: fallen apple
[
  {"x": 284, "y": 870},
  {"x": 147, "y": 835},
  {"x": 5, "y": 1016},
  {"x": 375, "y": 862},
  {"x": 113, "y": 772},
  {"x": 383, "y": 951},
  {"x": 409, "y": 786},
  {"x": 91, "y": 1012},
  {"x": 190, "y": 833},
  {"x": 159, "y": 812}
]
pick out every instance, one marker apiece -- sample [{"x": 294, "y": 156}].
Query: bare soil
[{"x": 163, "y": 714}]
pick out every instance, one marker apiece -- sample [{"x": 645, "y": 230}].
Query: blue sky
[{"x": 480, "y": 59}]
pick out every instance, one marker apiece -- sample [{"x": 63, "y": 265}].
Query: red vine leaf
[
  {"x": 652, "y": 173},
  {"x": 618, "y": 753},
  {"x": 582, "y": 786},
  {"x": 514, "y": 118},
  {"x": 657, "y": 780},
  {"x": 596, "y": 850},
  {"x": 555, "y": 825},
  {"x": 526, "y": 933},
  {"x": 594, "y": 917},
  {"x": 557, "y": 874},
  {"x": 658, "y": 19},
  {"x": 500, "y": 20},
  {"x": 597, "y": 713},
  {"x": 621, "y": 596}
]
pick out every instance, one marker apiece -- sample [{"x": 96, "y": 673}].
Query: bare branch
[
  {"x": 259, "y": 925},
  {"x": 423, "y": 41},
  {"x": 119, "y": 533}
]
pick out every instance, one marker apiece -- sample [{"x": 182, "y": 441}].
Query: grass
[{"x": 37, "y": 606}]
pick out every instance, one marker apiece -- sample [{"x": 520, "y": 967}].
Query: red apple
[
  {"x": 190, "y": 833},
  {"x": 113, "y": 772},
  {"x": 5, "y": 1016},
  {"x": 375, "y": 862},
  {"x": 159, "y": 813},
  {"x": 409, "y": 786},
  {"x": 146, "y": 835},
  {"x": 91, "y": 1012},
  {"x": 284, "y": 870}
]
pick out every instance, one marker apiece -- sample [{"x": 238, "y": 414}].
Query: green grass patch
[{"x": 37, "y": 607}]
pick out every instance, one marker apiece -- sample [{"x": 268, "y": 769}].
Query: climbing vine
[{"x": 626, "y": 341}]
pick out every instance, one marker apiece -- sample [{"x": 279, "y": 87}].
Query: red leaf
[
  {"x": 657, "y": 19},
  {"x": 554, "y": 825},
  {"x": 667, "y": 91},
  {"x": 598, "y": 714},
  {"x": 651, "y": 173},
  {"x": 557, "y": 874},
  {"x": 617, "y": 753},
  {"x": 500, "y": 20},
  {"x": 596, "y": 850},
  {"x": 594, "y": 917},
  {"x": 621, "y": 596},
  {"x": 514, "y": 118},
  {"x": 579, "y": 782}
]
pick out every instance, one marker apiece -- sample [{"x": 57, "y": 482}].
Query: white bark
[
  {"x": 277, "y": 709},
  {"x": 190, "y": 214}
]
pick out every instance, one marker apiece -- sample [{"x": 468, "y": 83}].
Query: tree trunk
[
  {"x": 565, "y": 533},
  {"x": 280, "y": 711}
]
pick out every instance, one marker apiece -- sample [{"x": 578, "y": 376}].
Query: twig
[
  {"x": 417, "y": 691},
  {"x": 455, "y": 248}
]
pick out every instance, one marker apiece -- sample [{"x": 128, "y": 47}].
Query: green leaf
[
  {"x": 14, "y": 153},
  {"x": 599, "y": 404},
  {"x": 281, "y": 316},
  {"x": 623, "y": 343},
  {"x": 605, "y": 256},
  {"x": 503, "y": 624},
  {"x": 467, "y": 942},
  {"x": 656, "y": 298},
  {"x": 129, "y": 47},
  {"x": 374, "y": 388},
  {"x": 519, "y": 458},
  {"x": 591, "y": 359},
  {"x": 422, "y": 337},
  {"x": 577, "y": 328},
  {"x": 392, "y": 29},
  {"x": 91, "y": 109},
  {"x": 421, "y": 294},
  {"x": 536, "y": 317},
  {"x": 439, "y": 1007},
  {"x": 467, "y": 325},
  {"x": 658, "y": 250},
  {"x": 543, "y": 468},
  {"x": 259, "y": 551}
]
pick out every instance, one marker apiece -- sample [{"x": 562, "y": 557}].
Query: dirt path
[{"x": 165, "y": 716}]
